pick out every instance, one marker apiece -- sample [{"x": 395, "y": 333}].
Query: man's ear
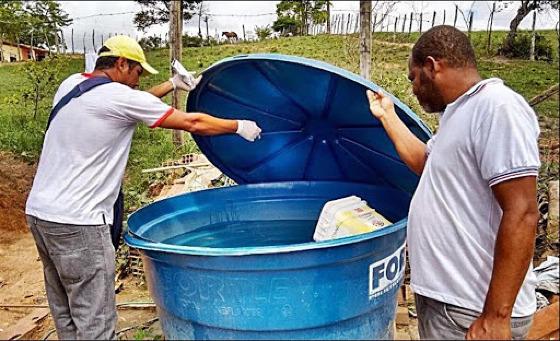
[
  {"x": 121, "y": 64},
  {"x": 432, "y": 66}
]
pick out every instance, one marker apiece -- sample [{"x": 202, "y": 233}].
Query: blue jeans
[
  {"x": 442, "y": 321},
  {"x": 79, "y": 270}
]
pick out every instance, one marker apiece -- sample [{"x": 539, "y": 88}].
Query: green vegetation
[{"x": 22, "y": 133}]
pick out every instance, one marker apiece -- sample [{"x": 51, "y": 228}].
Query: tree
[
  {"x": 526, "y": 7},
  {"x": 32, "y": 22},
  {"x": 155, "y": 12},
  {"x": 299, "y": 14},
  {"x": 46, "y": 18}
]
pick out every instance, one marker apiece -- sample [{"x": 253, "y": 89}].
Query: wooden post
[
  {"x": 348, "y": 23},
  {"x": 72, "y": 41},
  {"x": 396, "y": 23},
  {"x": 470, "y": 23},
  {"x": 207, "y": 31},
  {"x": 455, "y": 20},
  {"x": 244, "y": 38},
  {"x": 84, "y": 42},
  {"x": 421, "y": 14},
  {"x": 175, "y": 30},
  {"x": 93, "y": 40},
  {"x": 103, "y": 40},
  {"x": 328, "y": 17},
  {"x": 56, "y": 40},
  {"x": 489, "y": 45},
  {"x": 357, "y": 26},
  {"x": 434, "y": 19},
  {"x": 410, "y": 24},
  {"x": 404, "y": 24},
  {"x": 444, "y": 17},
  {"x": 365, "y": 39},
  {"x": 533, "y": 37}
]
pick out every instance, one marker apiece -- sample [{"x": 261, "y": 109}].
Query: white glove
[
  {"x": 178, "y": 82},
  {"x": 183, "y": 79},
  {"x": 248, "y": 130}
]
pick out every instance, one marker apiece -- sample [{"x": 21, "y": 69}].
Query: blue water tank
[{"x": 239, "y": 262}]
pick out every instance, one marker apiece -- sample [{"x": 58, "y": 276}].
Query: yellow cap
[{"x": 126, "y": 47}]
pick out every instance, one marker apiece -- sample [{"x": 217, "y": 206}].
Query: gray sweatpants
[
  {"x": 442, "y": 321},
  {"x": 79, "y": 269}
]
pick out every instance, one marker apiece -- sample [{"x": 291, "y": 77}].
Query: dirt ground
[{"x": 21, "y": 274}]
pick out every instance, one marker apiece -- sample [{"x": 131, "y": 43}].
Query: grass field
[{"x": 21, "y": 131}]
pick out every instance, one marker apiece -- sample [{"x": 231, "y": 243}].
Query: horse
[{"x": 230, "y": 35}]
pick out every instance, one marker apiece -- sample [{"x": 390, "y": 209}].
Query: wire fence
[{"x": 76, "y": 39}]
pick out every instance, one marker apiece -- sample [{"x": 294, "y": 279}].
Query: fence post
[
  {"x": 175, "y": 33},
  {"x": 470, "y": 23},
  {"x": 434, "y": 19},
  {"x": 365, "y": 39},
  {"x": 348, "y": 23},
  {"x": 244, "y": 38},
  {"x": 421, "y": 14},
  {"x": 443, "y": 17},
  {"x": 404, "y": 24},
  {"x": 357, "y": 26},
  {"x": 84, "y": 42},
  {"x": 455, "y": 20},
  {"x": 102, "y": 40},
  {"x": 207, "y": 32},
  {"x": 410, "y": 24},
  {"x": 328, "y": 17},
  {"x": 490, "y": 28},
  {"x": 72, "y": 37},
  {"x": 93, "y": 40},
  {"x": 533, "y": 37}
]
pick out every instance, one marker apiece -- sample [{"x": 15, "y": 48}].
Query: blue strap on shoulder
[{"x": 78, "y": 90}]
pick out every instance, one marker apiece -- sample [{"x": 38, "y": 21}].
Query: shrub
[{"x": 522, "y": 47}]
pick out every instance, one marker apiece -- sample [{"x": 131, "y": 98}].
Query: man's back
[{"x": 85, "y": 152}]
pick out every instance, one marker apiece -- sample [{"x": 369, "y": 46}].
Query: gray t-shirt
[
  {"x": 86, "y": 149},
  {"x": 487, "y": 136}
]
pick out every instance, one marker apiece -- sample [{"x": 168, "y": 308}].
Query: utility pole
[
  {"x": 175, "y": 31},
  {"x": 365, "y": 39}
]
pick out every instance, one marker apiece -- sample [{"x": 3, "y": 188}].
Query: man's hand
[
  {"x": 187, "y": 83},
  {"x": 380, "y": 105},
  {"x": 248, "y": 130},
  {"x": 485, "y": 328}
]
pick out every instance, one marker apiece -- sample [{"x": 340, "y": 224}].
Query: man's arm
[
  {"x": 162, "y": 89},
  {"x": 199, "y": 123},
  {"x": 513, "y": 253},
  {"x": 410, "y": 149}
]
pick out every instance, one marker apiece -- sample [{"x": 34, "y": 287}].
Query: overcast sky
[{"x": 117, "y": 17}]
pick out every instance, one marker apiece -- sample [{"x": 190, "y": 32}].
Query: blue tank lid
[{"x": 315, "y": 119}]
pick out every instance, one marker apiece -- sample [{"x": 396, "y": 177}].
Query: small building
[{"x": 11, "y": 52}]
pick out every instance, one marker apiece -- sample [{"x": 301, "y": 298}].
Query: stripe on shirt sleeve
[
  {"x": 516, "y": 173},
  {"x": 162, "y": 118}
]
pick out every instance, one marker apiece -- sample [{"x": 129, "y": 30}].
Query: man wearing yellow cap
[{"x": 82, "y": 164}]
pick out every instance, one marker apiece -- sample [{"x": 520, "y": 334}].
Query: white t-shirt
[
  {"x": 487, "y": 136},
  {"x": 86, "y": 149}
]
